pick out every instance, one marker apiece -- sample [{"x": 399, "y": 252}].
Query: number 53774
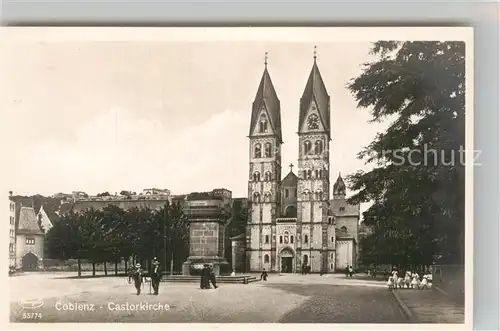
[{"x": 32, "y": 316}]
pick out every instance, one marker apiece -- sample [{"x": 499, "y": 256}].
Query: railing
[{"x": 286, "y": 220}]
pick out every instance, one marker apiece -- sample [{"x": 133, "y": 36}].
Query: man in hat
[
  {"x": 205, "y": 277},
  {"x": 212, "y": 276},
  {"x": 138, "y": 277},
  {"x": 156, "y": 276}
]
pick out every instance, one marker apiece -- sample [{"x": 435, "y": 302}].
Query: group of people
[
  {"x": 349, "y": 271},
  {"x": 410, "y": 280},
  {"x": 207, "y": 277},
  {"x": 138, "y": 275}
]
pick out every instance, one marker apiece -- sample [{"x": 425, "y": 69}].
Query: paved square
[{"x": 293, "y": 299}]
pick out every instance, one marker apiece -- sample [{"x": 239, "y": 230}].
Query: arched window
[
  {"x": 333, "y": 239},
  {"x": 291, "y": 211},
  {"x": 267, "y": 176},
  {"x": 263, "y": 124},
  {"x": 319, "y": 195},
  {"x": 307, "y": 147},
  {"x": 266, "y": 258},
  {"x": 286, "y": 237},
  {"x": 256, "y": 197},
  {"x": 306, "y": 239},
  {"x": 343, "y": 228},
  {"x": 281, "y": 239},
  {"x": 256, "y": 176},
  {"x": 306, "y": 259},
  {"x": 309, "y": 174},
  {"x": 318, "y": 147},
  {"x": 291, "y": 239},
  {"x": 267, "y": 197},
  {"x": 267, "y": 239},
  {"x": 305, "y": 174},
  {"x": 267, "y": 150},
  {"x": 320, "y": 174},
  {"x": 257, "y": 151}
]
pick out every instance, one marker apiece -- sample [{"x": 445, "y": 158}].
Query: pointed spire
[
  {"x": 315, "y": 90},
  {"x": 267, "y": 98},
  {"x": 339, "y": 187}
]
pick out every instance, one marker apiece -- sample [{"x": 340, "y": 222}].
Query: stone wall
[{"x": 204, "y": 239}]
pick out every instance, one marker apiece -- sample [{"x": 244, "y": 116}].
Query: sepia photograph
[{"x": 239, "y": 175}]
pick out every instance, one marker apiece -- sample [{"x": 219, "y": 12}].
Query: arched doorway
[
  {"x": 30, "y": 262},
  {"x": 286, "y": 257}
]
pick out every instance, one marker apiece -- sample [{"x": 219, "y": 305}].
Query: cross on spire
[
  {"x": 265, "y": 59},
  {"x": 315, "y": 52},
  {"x": 291, "y": 167}
]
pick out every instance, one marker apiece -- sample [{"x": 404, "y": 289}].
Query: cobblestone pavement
[
  {"x": 431, "y": 306},
  {"x": 287, "y": 299}
]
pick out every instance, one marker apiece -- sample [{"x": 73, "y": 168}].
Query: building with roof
[
  {"x": 29, "y": 240},
  {"x": 44, "y": 220},
  {"x": 294, "y": 221},
  {"x": 12, "y": 232}
]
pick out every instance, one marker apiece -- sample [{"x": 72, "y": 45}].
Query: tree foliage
[
  {"x": 112, "y": 234},
  {"x": 417, "y": 185}
]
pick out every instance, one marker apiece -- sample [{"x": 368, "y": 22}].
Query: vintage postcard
[{"x": 313, "y": 176}]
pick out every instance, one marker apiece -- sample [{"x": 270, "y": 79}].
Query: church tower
[
  {"x": 315, "y": 227},
  {"x": 264, "y": 176}
]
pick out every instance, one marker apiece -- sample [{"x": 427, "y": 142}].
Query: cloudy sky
[{"x": 111, "y": 116}]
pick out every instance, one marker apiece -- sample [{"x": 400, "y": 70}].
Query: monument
[{"x": 208, "y": 214}]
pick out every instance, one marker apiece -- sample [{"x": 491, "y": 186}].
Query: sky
[{"x": 111, "y": 116}]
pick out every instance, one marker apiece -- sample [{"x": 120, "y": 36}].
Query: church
[{"x": 294, "y": 221}]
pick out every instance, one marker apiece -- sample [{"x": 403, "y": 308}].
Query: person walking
[
  {"x": 205, "y": 278},
  {"x": 263, "y": 275},
  {"x": 212, "y": 276},
  {"x": 138, "y": 276},
  {"x": 351, "y": 271},
  {"x": 156, "y": 276}
]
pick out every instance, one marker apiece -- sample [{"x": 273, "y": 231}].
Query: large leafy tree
[{"x": 417, "y": 184}]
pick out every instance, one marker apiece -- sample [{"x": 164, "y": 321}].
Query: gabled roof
[
  {"x": 290, "y": 179},
  {"x": 28, "y": 222},
  {"x": 266, "y": 95},
  {"x": 315, "y": 90}
]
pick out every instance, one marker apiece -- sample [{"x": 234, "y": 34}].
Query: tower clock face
[{"x": 313, "y": 122}]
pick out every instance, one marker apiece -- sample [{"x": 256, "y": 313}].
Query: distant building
[
  {"x": 12, "y": 232},
  {"x": 29, "y": 241},
  {"x": 44, "y": 219},
  {"x": 155, "y": 191}
]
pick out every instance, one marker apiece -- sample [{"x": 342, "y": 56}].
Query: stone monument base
[{"x": 194, "y": 264}]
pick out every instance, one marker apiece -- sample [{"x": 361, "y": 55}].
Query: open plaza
[{"x": 290, "y": 298}]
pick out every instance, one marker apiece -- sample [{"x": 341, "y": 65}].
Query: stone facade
[
  {"x": 29, "y": 241},
  {"x": 293, "y": 221},
  {"x": 12, "y": 233}
]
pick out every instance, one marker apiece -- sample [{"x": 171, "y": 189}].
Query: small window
[
  {"x": 286, "y": 193},
  {"x": 263, "y": 124},
  {"x": 258, "y": 151},
  {"x": 291, "y": 239},
  {"x": 30, "y": 241},
  {"x": 342, "y": 208},
  {"x": 266, "y": 258},
  {"x": 267, "y": 150},
  {"x": 307, "y": 147},
  {"x": 306, "y": 239},
  {"x": 306, "y": 259},
  {"x": 267, "y": 239},
  {"x": 281, "y": 239},
  {"x": 331, "y": 256},
  {"x": 333, "y": 239},
  {"x": 331, "y": 266}
]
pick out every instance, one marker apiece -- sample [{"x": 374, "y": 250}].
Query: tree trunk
[
  {"x": 93, "y": 268},
  {"x": 79, "y": 268},
  {"x": 116, "y": 266},
  {"x": 105, "y": 268},
  {"x": 126, "y": 265}
]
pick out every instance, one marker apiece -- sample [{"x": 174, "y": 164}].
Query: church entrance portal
[
  {"x": 286, "y": 264},
  {"x": 30, "y": 262}
]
